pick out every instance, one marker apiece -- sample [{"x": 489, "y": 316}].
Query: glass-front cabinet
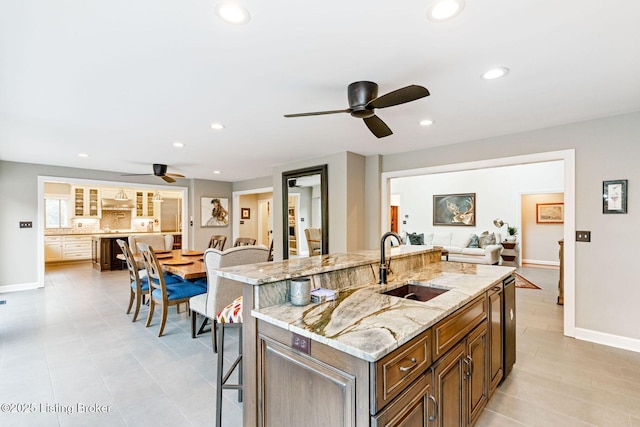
[
  {"x": 144, "y": 204},
  {"x": 86, "y": 202}
]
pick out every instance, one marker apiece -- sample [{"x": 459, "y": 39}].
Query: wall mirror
[{"x": 305, "y": 219}]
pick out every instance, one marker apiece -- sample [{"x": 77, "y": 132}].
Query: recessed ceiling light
[
  {"x": 217, "y": 126},
  {"x": 83, "y": 155},
  {"x": 495, "y": 73},
  {"x": 232, "y": 13},
  {"x": 216, "y": 172},
  {"x": 426, "y": 122},
  {"x": 442, "y": 10},
  {"x": 178, "y": 144}
]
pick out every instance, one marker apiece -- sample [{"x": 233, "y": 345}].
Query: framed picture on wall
[
  {"x": 454, "y": 209},
  {"x": 245, "y": 213},
  {"x": 614, "y": 196},
  {"x": 214, "y": 211},
  {"x": 549, "y": 213}
]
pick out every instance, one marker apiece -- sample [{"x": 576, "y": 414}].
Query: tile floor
[{"x": 71, "y": 344}]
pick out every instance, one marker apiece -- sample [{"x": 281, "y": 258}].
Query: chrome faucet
[{"x": 384, "y": 267}]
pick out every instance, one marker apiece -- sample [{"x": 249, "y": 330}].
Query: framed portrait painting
[
  {"x": 214, "y": 211},
  {"x": 614, "y": 196},
  {"x": 549, "y": 213},
  {"x": 454, "y": 209},
  {"x": 245, "y": 213}
]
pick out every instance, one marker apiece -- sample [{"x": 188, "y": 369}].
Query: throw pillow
[
  {"x": 474, "y": 241},
  {"x": 416, "y": 239},
  {"x": 486, "y": 239}
]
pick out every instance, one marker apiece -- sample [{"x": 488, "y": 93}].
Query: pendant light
[
  {"x": 157, "y": 198},
  {"x": 121, "y": 195}
]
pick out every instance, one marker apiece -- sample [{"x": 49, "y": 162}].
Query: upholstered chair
[
  {"x": 314, "y": 241},
  {"x": 161, "y": 292},
  {"x": 221, "y": 291},
  {"x": 158, "y": 242}
]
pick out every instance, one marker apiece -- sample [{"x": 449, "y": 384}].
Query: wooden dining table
[{"x": 186, "y": 264}]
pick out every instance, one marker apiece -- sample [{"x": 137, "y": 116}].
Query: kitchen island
[{"x": 368, "y": 358}]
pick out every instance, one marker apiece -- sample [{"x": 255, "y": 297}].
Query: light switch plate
[
  {"x": 583, "y": 236},
  {"x": 26, "y": 224}
]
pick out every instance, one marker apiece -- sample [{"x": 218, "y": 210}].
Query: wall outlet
[
  {"x": 26, "y": 224},
  {"x": 583, "y": 236}
]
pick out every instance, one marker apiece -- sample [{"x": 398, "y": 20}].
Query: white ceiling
[{"x": 122, "y": 80}]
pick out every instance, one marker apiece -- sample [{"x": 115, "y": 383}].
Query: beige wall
[{"x": 539, "y": 242}]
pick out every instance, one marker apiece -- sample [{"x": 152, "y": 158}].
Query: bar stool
[{"x": 229, "y": 317}]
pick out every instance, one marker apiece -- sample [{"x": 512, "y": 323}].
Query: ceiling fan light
[
  {"x": 443, "y": 10},
  {"x": 232, "y": 13},
  {"x": 495, "y": 73}
]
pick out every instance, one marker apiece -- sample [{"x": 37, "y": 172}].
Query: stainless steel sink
[{"x": 416, "y": 292}]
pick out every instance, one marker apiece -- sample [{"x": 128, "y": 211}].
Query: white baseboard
[
  {"x": 603, "y": 338},
  {"x": 540, "y": 262},
  {"x": 21, "y": 287}
]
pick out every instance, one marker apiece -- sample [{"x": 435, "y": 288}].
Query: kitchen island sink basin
[{"x": 416, "y": 292}]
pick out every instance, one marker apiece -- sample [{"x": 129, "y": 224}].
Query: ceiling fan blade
[
  {"x": 177, "y": 175},
  {"x": 136, "y": 174},
  {"x": 168, "y": 178},
  {"x": 400, "y": 96},
  {"x": 377, "y": 126},
  {"x": 318, "y": 113}
]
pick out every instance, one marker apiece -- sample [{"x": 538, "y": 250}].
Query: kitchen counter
[
  {"x": 364, "y": 323},
  {"x": 111, "y": 233},
  {"x": 362, "y": 336}
]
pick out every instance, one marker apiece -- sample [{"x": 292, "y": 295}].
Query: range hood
[{"x": 117, "y": 205}]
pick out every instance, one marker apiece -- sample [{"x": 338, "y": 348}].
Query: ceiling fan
[
  {"x": 363, "y": 99},
  {"x": 160, "y": 171}
]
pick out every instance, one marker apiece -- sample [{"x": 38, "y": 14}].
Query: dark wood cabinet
[
  {"x": 104, "y": 253},
  {"x": 495, "y": 298},
  {"x": 460, "y": 381}
]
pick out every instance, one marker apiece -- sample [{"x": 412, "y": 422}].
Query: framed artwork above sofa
[{"x": 454, "y": 209}]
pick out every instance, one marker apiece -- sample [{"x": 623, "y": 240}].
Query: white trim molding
[{"x": 610, "y": 340}]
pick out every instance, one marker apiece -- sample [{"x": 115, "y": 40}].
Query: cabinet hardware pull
[
  {"x": 435, "y": 409},
  {"x": 408, "y": 368},
  {"x": 471, "y": 366},
  {"x": 496, "y": 288},
  {"x": 467, "y": 374}
]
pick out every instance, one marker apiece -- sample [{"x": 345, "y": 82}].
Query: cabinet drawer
[
  {"x": 81, "y": 246},
  {"x": 76, "y": 255},
  {"x": 52, "y": 239},
  {"x": 411, "y": 408},
  {"x": 447, "y": 332},
  {"x": 77, "y": 239},
  {"x": 394, "y": 372}
]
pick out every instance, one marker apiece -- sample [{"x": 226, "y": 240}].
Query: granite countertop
[
  {"x": 267, "y": 272},
  {"x": 111, "y": 233},
  {"x": 369, "y": 325}
]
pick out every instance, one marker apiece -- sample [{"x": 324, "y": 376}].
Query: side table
[{"x": 509, "y": 253}]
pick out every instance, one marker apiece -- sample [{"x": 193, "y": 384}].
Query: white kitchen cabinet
[
  {"x": 86, "y": 202},
  {"x": 76, "y": 248},
  {"x": 145, "y": 207},
  {"x": 52, "y": 248}
]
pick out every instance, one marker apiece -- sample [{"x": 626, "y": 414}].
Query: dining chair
[
  {"x": 244, "y": 241},
  {"x": 138, "y": 289},
  {"x": 217, "y": 242},
  {"x": 222, "y": 304},
  {"x": 159, "y": 242},
  {"x": 161, "y": 292},
  {"x": 314, "y": 240}
]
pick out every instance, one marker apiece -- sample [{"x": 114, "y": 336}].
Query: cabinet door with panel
[
  {"x": 52, "y": 248},
  {"x": 477, "y": 372},
  {"x": 448, "y": 383},
  {"x": 495, "y": 296}
]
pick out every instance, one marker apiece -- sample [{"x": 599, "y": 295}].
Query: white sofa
[{"x": 456, "y": 244}]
